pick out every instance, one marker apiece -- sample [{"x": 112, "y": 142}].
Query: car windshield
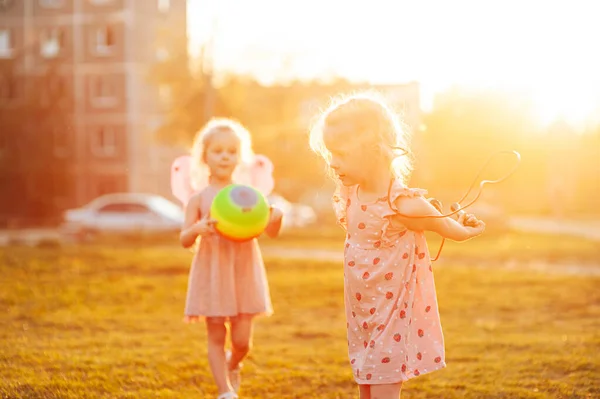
[{"x": 166, "y": 207}]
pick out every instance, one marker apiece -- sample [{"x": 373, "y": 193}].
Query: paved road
[
  {"x": 561, "y": 268},
  {"x": 589, "y": 229}
]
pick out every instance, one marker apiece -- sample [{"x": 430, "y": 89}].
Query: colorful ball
[{"x": 241, "y": 212}]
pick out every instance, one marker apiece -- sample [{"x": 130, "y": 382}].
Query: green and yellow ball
[{"x": 241, "y": 212}]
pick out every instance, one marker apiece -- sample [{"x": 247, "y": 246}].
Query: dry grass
[{"x": 105, "y": 322}]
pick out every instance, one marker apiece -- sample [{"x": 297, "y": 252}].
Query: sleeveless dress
[
  {"x": 227, "y": 278},
  {"x": 394, "y": 330}
]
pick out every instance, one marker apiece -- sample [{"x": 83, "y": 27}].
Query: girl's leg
[
  {"x": 217, "y": 332},
  {"x": 241, "y": 338},
  {"x": 364, "y": 391},
  {"x": 241, "y": 342},
  {"x": 386, "y": 391}
]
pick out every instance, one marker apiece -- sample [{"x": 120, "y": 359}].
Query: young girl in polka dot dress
[{"x": 394, "y": 330}]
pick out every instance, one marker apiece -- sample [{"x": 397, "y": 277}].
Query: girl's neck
[
  {"x": 219, "y": 182},
  {"x": 379, "y": 182},
  {"x": 376, "y": 187}
]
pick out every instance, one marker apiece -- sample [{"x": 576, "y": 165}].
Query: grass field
[{"x": 105, "y": 322}]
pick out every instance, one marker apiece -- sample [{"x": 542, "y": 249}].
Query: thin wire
[{"x": 481, "y": 184}]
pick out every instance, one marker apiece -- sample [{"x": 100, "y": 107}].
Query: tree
[
  {"x": 193, "y": 98},
  {"x": 35, "y": 114},
  {"x": 464, "y": 129},
  {"x": 558, "y": 163},
  {"x": 587, "y": 174}
]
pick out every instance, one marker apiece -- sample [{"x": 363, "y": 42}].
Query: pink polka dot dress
[{"x": 394, "y": 329}]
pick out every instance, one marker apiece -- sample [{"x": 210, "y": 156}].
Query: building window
[
  {"x": 52, "y": 41},
  {"x": 104, "y": 142},
  {"x": 103, "y": 92},
  {"x": 104, "y": 41},
  {"x": 164, "y": 5},
  {"x": 52, "y": 3},
  {"x": 6, "y": 43}
]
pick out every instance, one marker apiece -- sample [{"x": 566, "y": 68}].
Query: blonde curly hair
[
  {"x": 202, "y": 140},
  {"x": 369, "y": 120}
]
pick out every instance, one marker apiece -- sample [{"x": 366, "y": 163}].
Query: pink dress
[
  {"x": 394, "y": 329},
  {"x": 227, "y": 278}
]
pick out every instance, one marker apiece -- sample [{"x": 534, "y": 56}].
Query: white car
[
  {"x": 294, "y": 214},
  {"x": 124, "y": 213}
]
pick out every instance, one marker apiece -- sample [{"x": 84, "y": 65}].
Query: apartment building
[{"x": 101, "y": 53}]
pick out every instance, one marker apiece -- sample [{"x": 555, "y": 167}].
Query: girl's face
[
  {"x": 351, "y": 160},
  {"x": 222, "y": 154}
]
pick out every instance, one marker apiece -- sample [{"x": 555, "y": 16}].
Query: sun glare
[
  {"x": 544, "y": 48},
  {"x": 574, "y": 105}
]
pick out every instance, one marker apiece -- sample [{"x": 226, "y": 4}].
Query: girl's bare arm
[{"x": 447, "y": 227}]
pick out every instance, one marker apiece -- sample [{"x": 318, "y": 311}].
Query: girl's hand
[
  {"x": 473, "y": 226},
  {"x": 275, "y": 220},
  {"x": 276, "y": 215},
  {"x": 205, "y": 226},
  {"x": 467, "y": 219},
  {"x": 411, "y": 212}
]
